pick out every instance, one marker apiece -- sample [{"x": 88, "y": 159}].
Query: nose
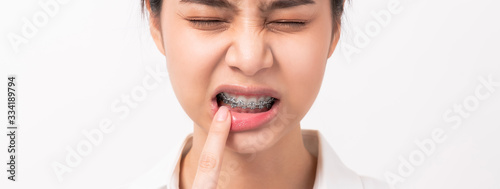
[{"x": 249, "y": 53}]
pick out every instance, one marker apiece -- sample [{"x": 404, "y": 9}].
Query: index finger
[{"x": 211, "y": 156}]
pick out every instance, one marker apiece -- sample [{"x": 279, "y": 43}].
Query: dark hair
[{"x": 336, "y": 5}]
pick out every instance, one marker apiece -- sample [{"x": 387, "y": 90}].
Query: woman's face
[{"x": 251, "y": 50}]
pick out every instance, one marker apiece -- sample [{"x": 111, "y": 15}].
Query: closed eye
[
  {"x": 287, "y": 26},
  {"x": 291, "y": 23},
  {"x": 208, "y": 24},
  {"x": 205, "y": 22}
]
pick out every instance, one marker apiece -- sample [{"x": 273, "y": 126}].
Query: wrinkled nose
[{"x": 249, "y": 53}]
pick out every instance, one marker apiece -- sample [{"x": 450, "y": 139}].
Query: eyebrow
[
  {"x": 212, "y": 3},
  {"x": 282, "y": 4},
  {"x": 278, "y": 4}
]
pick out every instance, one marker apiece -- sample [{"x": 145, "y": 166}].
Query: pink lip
[{"x": 247, "y": 121}]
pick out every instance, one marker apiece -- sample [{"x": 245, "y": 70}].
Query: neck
[{"x": 286, "y": 164}]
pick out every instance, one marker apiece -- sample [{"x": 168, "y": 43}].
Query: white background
[{"x": 372, "y": 107}]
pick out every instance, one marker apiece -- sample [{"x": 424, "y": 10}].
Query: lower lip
[{"x": 248, "y": 121}]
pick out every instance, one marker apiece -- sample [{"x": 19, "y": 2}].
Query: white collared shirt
[{"x": 330, "y": 171}]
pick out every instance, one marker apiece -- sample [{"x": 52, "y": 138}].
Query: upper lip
[{"x": 252, "y": 90}]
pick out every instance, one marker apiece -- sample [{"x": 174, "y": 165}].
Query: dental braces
[{"x": 251, "y": 105}]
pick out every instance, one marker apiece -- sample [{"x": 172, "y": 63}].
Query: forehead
[{"x": 264, "y": 5}]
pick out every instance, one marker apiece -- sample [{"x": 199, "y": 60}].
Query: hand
[{"x": 210, "y": 161}]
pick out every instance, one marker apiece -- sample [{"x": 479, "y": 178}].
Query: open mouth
[
  {"x": 245, "y": 104},
  {"x": 251, "y": 107}
]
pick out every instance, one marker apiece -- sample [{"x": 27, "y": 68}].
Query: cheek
[
  {"x": 302, "y": 63},
  {"x": 191, "y": 60}
]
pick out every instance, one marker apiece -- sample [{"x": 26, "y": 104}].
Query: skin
[{"x": 252, "y": 47}]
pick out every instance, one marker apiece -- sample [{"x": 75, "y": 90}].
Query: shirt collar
[{"x": 330, "y": 171}]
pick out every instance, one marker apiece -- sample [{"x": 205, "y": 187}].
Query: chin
[{"x": 257, "y": 140}]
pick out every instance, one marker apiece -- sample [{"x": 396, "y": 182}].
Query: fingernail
[{"x": 222, "y": 113}]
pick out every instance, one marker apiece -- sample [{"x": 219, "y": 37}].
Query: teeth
[
  {"x": 241, "y": 101},
  {"x": 251, "y": 105},
  {"x": 261, "y": 99},
  {"x": 252, "y": 100},
  {"x": 244, "y": 102}
]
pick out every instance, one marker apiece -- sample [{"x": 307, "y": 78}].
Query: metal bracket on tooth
[{"x": 252, "y": 105}]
